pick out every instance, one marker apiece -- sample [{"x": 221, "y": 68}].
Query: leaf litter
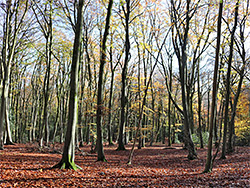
[{"x": 25, "y": 165}]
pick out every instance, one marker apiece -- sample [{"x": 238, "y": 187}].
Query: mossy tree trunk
[{"x": 68, "y": 156}]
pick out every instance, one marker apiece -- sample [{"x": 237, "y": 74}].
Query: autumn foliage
[{"x": 100, "y": 75}]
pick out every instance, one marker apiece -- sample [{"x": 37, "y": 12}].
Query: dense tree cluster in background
[{"x": 143, "y": 73}]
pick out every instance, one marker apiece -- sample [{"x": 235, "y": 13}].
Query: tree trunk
[
  {"x": 169, "y": 102},
  {"x": 3, "y": 110},
  {"x": 237, "y": 95},
  {"x": 100, "y": 105},
  {"x": 112, "y": 69},
  {"x": 228, "y": 91},
  {"x": 180, "y": 47},
  {"x": 184, "y": 92},
  {"x": 199, "y": 105},
  {"x": 34, "y": 113},
  {"x": 80, "y": 123},
  {"x": 209, "y": 163},
  {"x": 68, "y": 155},
  {"x": 7, "y": 124},
  {"x": 10, "y": 32},
  {"x": 208, "y": 105},
  {"x": 124, "y": 78}
]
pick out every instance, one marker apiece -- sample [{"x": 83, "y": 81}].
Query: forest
[{"x": 114, "y": 93}]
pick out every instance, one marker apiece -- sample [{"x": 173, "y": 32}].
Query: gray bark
[{"x": 68, "y": 155}]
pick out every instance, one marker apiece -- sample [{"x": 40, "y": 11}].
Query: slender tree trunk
[
  {"x": 228, "y": 91},
  {"x": 100, "y": 105},
  {"x": 174, "y": 121},
  {"x": 208, "y": 106},
  {"x": 81, "y": 102},
  {"x": 57, "y": 121},
  {"x": 209, "y": 163},
  {"x": 153, "y": 115},
  {"x": 87, "y": 125},
  {"x": 80, "y": 122},
  {"x": 34, "y": 112},
  {"x": 40, "y": 125},
  {"x": 124, "y": 78},
  {"x": 112, "y": 69},
  {"x": 126, "y": 134},
  {"x": 46, "y": 27},
  {"x": 62, "y": 116},
  {"x": 169, "y": 102},
  {"x": 17, "y": 115},
  {"x": 110, "y": 108},
  {"x": 237, "y": 95},
  {"x": 199, "y": 105}
]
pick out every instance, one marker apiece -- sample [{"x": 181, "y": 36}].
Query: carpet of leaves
[{"x": 24, "y": 165}]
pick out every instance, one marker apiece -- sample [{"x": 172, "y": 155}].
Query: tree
[
  {"x": 68, "y": 155},
  {"x": 111, "y": 93},
  {"x": 126, "y": 11},
  {"x": 228, "y": 91},
  {"x": 199, "y": 105},
  {"x": 8, "y": 52},
  {"x": 209, "y": 162},
  {"x": 240, "y": 46},
  {"x": 99, "y": 111},
  {"x": 180, "y": 34},
  {"x": 47, "y": 29}
]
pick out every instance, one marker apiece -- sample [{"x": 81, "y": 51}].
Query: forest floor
[{"x": 24, "y": 165}]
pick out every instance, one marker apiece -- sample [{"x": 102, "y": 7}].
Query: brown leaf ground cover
[{"x": 24, "y": 165}]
